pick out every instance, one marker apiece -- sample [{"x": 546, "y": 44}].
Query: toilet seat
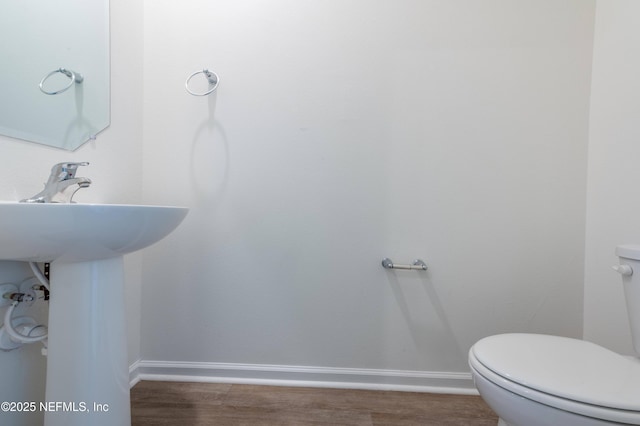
[{"x": 568, "y": 374}]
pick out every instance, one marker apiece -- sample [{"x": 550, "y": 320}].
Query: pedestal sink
[{"x": 87, "y": 368}]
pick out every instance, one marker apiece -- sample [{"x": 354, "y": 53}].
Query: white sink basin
[
  {"x": 85, "y": 243},
  {"x": 81, "y": 232}
]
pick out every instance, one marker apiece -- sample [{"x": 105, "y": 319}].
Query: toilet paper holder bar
[{"x": 417, "y": 265}]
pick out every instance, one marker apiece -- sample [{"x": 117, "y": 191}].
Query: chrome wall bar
[{"x": 417, "y": 265}]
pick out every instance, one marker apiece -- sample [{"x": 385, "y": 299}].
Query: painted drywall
[
  {"x": 345, "y": 132},
  {"x": 612, "y": 208},
  {"x": 115, "y": 169}
]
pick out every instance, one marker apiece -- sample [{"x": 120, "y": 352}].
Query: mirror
[{"x": 66, "y": 41}]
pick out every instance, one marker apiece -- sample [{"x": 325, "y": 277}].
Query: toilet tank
[{"x": 629, "y": 255}]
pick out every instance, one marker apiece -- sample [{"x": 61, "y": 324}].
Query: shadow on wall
[
  {"x": 209, "y": 162},
  {"x": 419, "y": 302}
]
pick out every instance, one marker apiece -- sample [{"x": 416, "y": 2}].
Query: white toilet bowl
[{"x": 540, "y": 380}]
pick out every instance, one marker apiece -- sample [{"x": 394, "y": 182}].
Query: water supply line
[
  {"x": 13, "y": 333},
  {"x": 17, "y": 298}
]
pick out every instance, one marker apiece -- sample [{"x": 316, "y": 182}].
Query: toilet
[{"x": 543, "y": 380}]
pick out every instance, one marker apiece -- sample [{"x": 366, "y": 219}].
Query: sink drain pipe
[{"x": 39, "y": 275}]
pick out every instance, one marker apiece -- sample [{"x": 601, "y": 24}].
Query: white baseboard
[
  {"x": 284, "y": 375},
  {"x": 134, "y": 376}
]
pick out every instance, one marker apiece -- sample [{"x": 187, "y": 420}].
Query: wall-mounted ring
[
  {"x": 212, "y": 78},
  {"x": 74, "y": 77}
]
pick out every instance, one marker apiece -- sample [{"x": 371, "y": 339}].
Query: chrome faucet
[{"x": 62, "y": 184}]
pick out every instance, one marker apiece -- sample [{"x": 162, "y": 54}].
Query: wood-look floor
[{"x": 204, "y": 404}]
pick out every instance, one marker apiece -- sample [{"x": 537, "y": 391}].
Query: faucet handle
[{"x": 66, "y": 170}]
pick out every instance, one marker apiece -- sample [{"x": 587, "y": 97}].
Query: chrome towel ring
[
  {"x": 212, "y": 78},
  {"x": 74, "y": 77}
]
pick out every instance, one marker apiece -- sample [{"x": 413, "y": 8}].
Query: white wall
[
  {"x": 613, "y": 204},
  {"x": 344, "y": 132},
  {"x": 115, "y": 169}
]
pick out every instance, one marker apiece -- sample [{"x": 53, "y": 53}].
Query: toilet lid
[{"x": 567, "y": 368}]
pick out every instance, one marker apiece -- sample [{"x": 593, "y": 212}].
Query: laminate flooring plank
[
  {"x": 188, "y": 415},
  {"x": 205, "y": 404},
  {"x": 402, "y": 403},
  {"x": 450, "y": 420},
  {"x": 180, "y": 392}
]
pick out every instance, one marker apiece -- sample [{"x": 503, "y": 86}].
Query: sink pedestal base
[{"x": 87, "y": 368}]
